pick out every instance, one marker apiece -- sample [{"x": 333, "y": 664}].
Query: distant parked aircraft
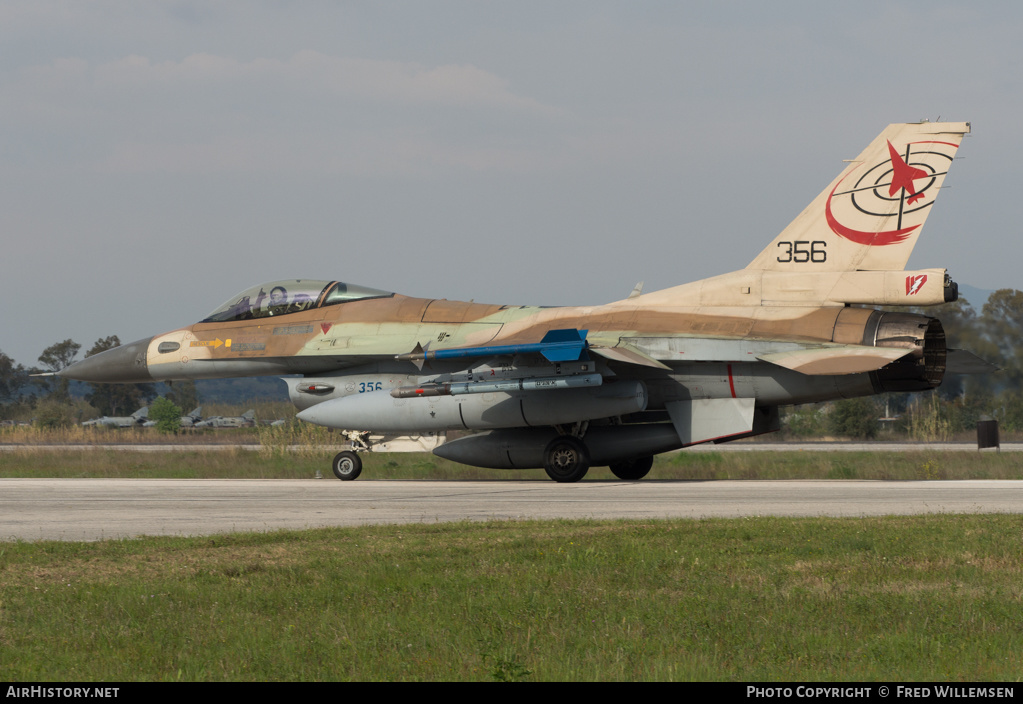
[
  {"x": 186, "y": 421},
  {"x": 135, "y": 419},
  {"x": 245, "y": 420}
]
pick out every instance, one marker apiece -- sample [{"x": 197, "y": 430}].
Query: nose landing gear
[{"x": 346, "y": 465}]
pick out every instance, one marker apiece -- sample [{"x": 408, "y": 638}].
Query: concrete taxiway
[
  {"x": 96, "y": 509},
  {"x": 708, "y": 447}
]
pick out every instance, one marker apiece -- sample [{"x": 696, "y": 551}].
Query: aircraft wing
[
  {"x": 565, "y": 345},
  {"x": 570, "y": 345}
]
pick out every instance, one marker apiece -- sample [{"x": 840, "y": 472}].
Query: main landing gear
[
  {"x": 566, "y": 459},
  {"x": 633, "y": 469}
]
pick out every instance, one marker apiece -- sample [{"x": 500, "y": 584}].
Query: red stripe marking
[
  {"x": 731, "y": 381},
  {"x": 932, "y": 141}
]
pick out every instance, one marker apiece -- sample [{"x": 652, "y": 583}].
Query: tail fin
[{"x": 869, "y": 218}]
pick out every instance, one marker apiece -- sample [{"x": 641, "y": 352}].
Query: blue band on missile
[{"x": 566, "y": 345}]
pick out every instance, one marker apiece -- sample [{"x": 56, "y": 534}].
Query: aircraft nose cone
[
  {"x": 310, "y": 415},
  {"x": 126, "y": 364}
]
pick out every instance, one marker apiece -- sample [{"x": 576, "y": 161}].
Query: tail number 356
[{"x": 802, "y": 251}]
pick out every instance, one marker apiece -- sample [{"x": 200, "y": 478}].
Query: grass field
[
  {"x": 761, "y": 599},
  {"x": 271, "y": 463}
]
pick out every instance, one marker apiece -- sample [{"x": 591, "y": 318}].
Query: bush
[
  {"x": 929, "y": 419},
  {"x": 805, "y": 422},
  {"x": 166, "y": 415},
  {"x": 51, "y": 412},
  {"x": 854, "y": 418}
]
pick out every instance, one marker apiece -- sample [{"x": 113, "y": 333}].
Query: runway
[
  {"x": 708, "y": 447},
  {"x": 97, "y": 509}
]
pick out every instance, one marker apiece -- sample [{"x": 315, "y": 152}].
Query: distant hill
[
  {"x": 232, "y": 391},
  {"x": 255, "y": 388},
  {"x": 976, "y": 296}
]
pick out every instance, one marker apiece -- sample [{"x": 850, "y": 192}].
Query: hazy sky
[{"x": 158, "y": 157}]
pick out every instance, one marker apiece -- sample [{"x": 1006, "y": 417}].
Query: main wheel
[
  {"x": 633, "y": 469},
  {"x": 566, "y": 459},
  {"x": 346, "y": 465}
]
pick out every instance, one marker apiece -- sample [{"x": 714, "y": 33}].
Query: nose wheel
[{"x": 346, "y": 465}]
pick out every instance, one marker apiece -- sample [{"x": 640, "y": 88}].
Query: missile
[{"x": 505, "y": 385}]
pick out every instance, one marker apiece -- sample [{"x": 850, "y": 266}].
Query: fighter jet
[
  {"x": 135, "y": 419},
  {"x": 574, "y": 387},
  {"x": 245, "y": 420},
  {"x": 193, "y": 417}
]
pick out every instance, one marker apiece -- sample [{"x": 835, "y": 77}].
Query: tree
[
  {"x": 964, "y": 330},
  {"x": 166, "y": 415},
  {"x": 183, "y": 394},
  {"x": 55, "y": 358},
  {"x": 117, "y": 399},
  {"x": 853, "y": 418},
  {"x": 12, "y": 378},
  {"x": 1003, "y": 328}
]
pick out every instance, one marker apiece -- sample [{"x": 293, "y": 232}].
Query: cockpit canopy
[{"x": 289, "y": 296}]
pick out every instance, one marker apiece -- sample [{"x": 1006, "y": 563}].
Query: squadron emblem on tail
[{"x": 908, "y": 179}]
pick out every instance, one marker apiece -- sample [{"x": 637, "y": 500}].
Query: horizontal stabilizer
[
  {"x": 965, "y": 362},
  {"x": 703, "y": 420},
  {"x": 847, "y": 359}
]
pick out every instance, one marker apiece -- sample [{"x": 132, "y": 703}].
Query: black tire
[
  {"x": 346, "y": 465},
  {"x": 633, "y": 469},
  {"x": 566, "y": 459}
]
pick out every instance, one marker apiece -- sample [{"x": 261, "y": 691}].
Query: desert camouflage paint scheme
[{"x": 567, "y": 388}]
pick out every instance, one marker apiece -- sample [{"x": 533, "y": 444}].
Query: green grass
[
  {"x": 880, "y": 464},
  {"x": 760, "y": 599},
  {"x": 273, "y": 464}
]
